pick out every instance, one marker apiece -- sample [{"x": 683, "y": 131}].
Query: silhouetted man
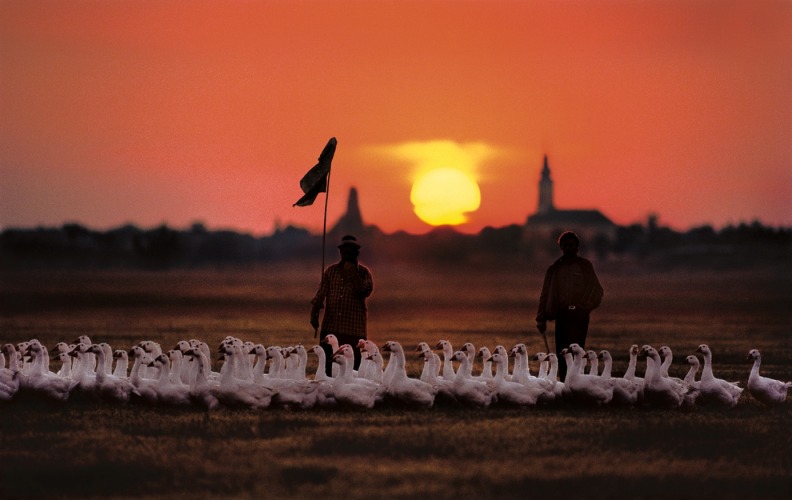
[
  {"x": 343, "y": 292},
  {"x": 570, "y": 292}
]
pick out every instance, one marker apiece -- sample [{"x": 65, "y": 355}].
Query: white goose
[
  {"x": 593, "y": 360},
  {"x": 401, "y": 388},
  {"x": 713, "y": 389},
  {"x": 146, "y": 386},
  {"x": 767, "y": 390},
  {"x": 10, "y": 377},
  {"x": 544, "y": 364},
  {"x": 512, "y": 393},
  {"x": 668, "y": 357},
  {"x": 332, "y": 341},
  {"x": 235, "y": 392},
  {"x": 467, "y": 390},
  {"x": 522, "y": 370},
  {"x": 486, "y": 359},
  {"x": 552, "y": 375},
  {"x": 295, "y": 389},
  {"x": 42, "y": 381},
  {"x": 607, "y": 363},
  {"x": 431, "y": 375},
  {"x": 368, "y": 367},
  {"x": 625, "y": 392},
  {"x": 202, "y": 391},
  {"x": 659, "y": 390},
  {"x": 448, "y": 365},
  {"x": 168, "y": 392},
  {"x": 108, "y": 386},
  {"x": 324, "y": 394},
  {"x": 587, "y": 388},
  {"x": 690, "y": 376},
  {"x": 351, "y": 391},
  {"x": 121, "y": 363}
]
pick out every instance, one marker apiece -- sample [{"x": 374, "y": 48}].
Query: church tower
[{"x": 545, "y": 191}]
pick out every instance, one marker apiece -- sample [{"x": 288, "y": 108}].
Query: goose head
[
  {"x": 274, "y": 352},
  {"x": 443, "y": 345},
  {"x": 183, "y": 346},
  {"x": 634, "y": 350},
  {"x": 61, "y": 347},
  {"x": 259, "y": 350},
  {"x": 469, "y": 349},
  {"x": 137, "y": 352},
  {"x": 605, "y": 355},
  {"x": 78, "y": 350},
  {"x": 160, "y": 361},
  {"x": 704, "y": 349},
  {"x": 120, "y": 354},
  {"x": 576, "y": 350},
  {"x": 82, "y": 339},
  {"x": 539, "y": 356},
  {"x": 518, "y": 349},
  {"x": 149, "y": 346},
  {"x": 484, "y": 353},
  {"x": 391, "y": 346},
  {"x": 330, "y": 339},
  {"x": 94, "y": 349},
  {"x": 459, "y": 356},
  {"x": 497, "y": 358},
  {"x": 591, "y": 355},
  {"x": 693, "y": 361},
  {"x": 502, "y": 351},
  {"x": 650, "y": 352},
  {"x": 754, "y": 355}
]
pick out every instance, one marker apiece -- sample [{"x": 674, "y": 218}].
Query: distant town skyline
[{"x": 144, "y": 113}]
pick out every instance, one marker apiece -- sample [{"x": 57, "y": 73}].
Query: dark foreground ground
[{"x": 84, "y": 450}]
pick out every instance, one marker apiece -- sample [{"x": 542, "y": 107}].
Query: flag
[{"x": 315, "y": 181}]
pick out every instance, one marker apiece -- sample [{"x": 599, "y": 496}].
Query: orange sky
[{"x": 155, "y": 111}]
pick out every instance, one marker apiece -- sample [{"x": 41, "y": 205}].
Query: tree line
[{"x": 163, "y": 247}]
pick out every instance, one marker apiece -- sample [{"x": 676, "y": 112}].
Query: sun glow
[
  {"x": 445, "y": 177},
  {"x": 444, "y": 195}
]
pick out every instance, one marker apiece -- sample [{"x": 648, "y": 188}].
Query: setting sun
[{"x": 444, "y": 195}]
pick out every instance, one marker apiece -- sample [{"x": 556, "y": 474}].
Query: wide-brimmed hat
[{"x": 349, "y": 241}]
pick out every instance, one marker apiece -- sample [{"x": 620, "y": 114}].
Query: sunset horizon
[{"x": 149, "y": 114}]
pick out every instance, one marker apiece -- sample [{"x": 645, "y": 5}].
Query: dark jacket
[{"x": 588, "y": 291}]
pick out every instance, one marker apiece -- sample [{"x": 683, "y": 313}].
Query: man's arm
[
  {"x": 541, "y": 312},
  {"x": 317, "y": 303}
]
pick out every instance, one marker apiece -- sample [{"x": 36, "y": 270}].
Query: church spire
[
  {"x": 545, "y": 190},
  {"x": 352, "y": 220}
]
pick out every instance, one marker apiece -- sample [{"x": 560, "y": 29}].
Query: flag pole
[
  {"x": 324, "y": 224},
  {"x": 324, "y": 233}
]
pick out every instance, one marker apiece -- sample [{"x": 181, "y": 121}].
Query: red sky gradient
[{"x": 153, "y": 112}]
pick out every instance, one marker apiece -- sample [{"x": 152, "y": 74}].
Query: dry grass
[{"x": 87, "y": 450}]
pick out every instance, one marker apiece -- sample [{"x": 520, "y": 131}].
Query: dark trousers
[
  {"x": 342, "y": 339},
  {"x": 571, "y": 327}
]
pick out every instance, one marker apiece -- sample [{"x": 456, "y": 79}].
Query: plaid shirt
[{"x": 345, "y": 300}]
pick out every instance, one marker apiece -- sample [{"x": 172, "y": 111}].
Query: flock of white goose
[{"x": 257, "y": 377}]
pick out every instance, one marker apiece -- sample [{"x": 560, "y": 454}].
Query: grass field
[{"x": 89, "y": 450}]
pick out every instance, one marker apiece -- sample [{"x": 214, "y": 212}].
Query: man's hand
[{"x": 541, "y": 326}]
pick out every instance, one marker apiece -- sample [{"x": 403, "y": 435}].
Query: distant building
[
  {"x": 351, "y": 222},
  {"x": 593, "y": 227}
]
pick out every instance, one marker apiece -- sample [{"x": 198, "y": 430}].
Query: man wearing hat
[
  {"x": 342, "y": 293},
  {"x": 570, "y": 292}
]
